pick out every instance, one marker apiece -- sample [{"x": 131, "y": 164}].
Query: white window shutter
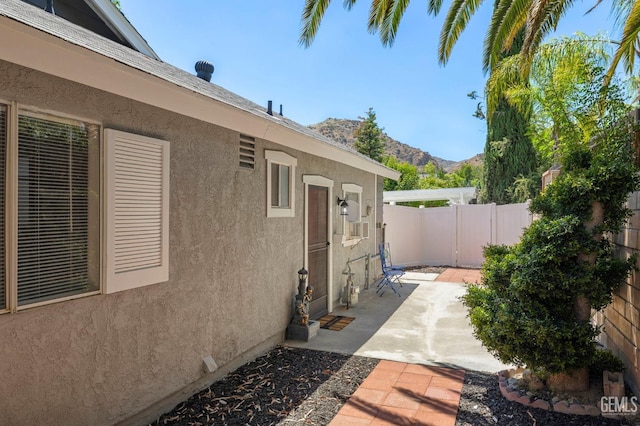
[{"x": 137, "y": 211}]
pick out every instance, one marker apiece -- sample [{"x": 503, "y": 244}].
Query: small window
[
  {"x": 280, "y": 184},
  {"x": 353, "y": 228}
]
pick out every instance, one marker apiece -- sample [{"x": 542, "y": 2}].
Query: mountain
[{"x": 342, "y": 130}]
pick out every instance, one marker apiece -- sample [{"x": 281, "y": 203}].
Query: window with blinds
[
  {"x": 57, "y": 197},
  {"x": 52, "y": 167}
]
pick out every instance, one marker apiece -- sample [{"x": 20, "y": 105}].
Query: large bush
[{"x": 526, "y": 311}]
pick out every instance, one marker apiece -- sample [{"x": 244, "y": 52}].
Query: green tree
[
  {"x": 509, "y": 155},
  {"x": 408, "y": 175},
  {"x": 534, "y": 305},
  {"x": 564, "y": 93},
  {"x": 117, "y": 4},
  {"x": 537, "y": 296},
  {"x": 467, "y": 175},
  {"x": 368, "y": 135}
]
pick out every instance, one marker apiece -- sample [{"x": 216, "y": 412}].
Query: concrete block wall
[{"x": 621, "y": 319}]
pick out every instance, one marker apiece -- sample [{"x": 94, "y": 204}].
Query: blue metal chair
[
  {"x": 390, "y": 265},
  {"x": 389, "y": 275}
]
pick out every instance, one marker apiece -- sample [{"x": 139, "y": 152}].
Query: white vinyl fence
[{"x": 451, "y": 236}]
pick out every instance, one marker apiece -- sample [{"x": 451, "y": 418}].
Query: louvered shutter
[
  {"x": 53, "y": 209},
  {"x": 137, "y": 210}
]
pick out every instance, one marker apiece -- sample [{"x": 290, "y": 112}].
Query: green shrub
[
  {"x": 604, "y": 360},
  {"x": 524, "y": 311}
]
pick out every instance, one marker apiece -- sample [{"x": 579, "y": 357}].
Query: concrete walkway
[{"x": 425, "y": 342}]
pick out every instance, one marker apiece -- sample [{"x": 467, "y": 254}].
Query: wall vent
[{"x": 247, "y": 152}]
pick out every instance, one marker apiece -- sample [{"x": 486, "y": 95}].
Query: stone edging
[{"x": 563, "y": 406}]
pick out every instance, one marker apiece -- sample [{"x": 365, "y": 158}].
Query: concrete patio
[
  {"x": 425, "y": 343},
  {"x": 426, "y": 325}
]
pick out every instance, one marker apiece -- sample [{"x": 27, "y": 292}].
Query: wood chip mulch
[{"x": 285, "y": 386}]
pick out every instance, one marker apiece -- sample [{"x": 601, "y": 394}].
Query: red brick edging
[{"x": 563, "y": 406}]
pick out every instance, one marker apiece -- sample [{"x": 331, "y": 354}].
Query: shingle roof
[{"x": 36, "y": 18}]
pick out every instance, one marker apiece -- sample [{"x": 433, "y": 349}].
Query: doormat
[{"x": 335, "y": 322}]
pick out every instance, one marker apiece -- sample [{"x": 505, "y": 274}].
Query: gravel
[
  {"x": 291, "y": 386},
  {"x": 482, "y": 404}
]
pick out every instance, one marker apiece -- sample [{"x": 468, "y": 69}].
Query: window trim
[{"x": 284, "y": 159}]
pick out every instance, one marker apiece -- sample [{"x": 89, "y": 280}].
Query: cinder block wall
[{"x": 621, "y": 319}]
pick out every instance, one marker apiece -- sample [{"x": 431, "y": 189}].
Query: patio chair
[
  {"x": 390, "y": 276},
  {"x": 387, "y": 256}
]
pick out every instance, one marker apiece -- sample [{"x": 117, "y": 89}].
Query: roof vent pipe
[
  {"x": 204, "y": 70},
  {"x": 270, "y": 107},
  {"x": 49, "y": 7},
  {"x": 280, "y": 110}
]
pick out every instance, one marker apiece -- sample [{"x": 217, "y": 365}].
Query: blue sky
[{"x": 253, "y": 45}]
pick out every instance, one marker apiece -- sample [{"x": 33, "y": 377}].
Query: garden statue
[
  {"x": 301, "y": 316},
  {"x": 301, "y": 328}
]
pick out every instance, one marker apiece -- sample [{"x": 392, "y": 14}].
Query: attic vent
[{"x": 247, "y": 152}]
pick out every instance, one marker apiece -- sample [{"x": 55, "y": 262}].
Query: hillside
[{"x": 342, "y": 130}]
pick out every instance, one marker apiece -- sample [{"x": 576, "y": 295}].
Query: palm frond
[
  {"x": 434, "y": 6},
  {"x": 312, "y": 15},
  {"x": 541, "y": 20},
  {"x": 626, "y": 51},
  {"x": 455, "y": 22},
  {"x": 592, "y": 8},
  {"x": 348, "y": 4},
  {"x": 506, "y": 22},
  {"x": 390, "y": 25},
  {"x": 377, "y": 13},
  {"x": 505, "y": 76}
]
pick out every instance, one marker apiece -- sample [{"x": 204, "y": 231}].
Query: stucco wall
[
  {"x": 621, "y": 319},
  {"x": 101, "y": 359}
]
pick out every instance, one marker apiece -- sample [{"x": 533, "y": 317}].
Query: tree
[
  {"x": 536, "y": 18},
  {"x": 509, "y": 155},
  {"x": 408, "y": 175},
  {"x": 534, "y": 305},
  {"x": 369, "y": 137},
  {"x": 563, "y": 95},
  {"x": 467, "y": 175},
  {"x": 116, "y": 3}
]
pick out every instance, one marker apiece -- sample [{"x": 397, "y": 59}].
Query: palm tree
[
  {"x": 563, "y": 94},
  {"x": 537, "y": 17}
]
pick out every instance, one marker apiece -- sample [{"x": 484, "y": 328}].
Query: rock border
[{"x": 563, "y": 406}]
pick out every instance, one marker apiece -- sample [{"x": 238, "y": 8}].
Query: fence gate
[{"x": 454, "y": 235}]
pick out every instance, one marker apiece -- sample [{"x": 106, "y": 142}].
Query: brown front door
[{"x": 318, "y": 246}]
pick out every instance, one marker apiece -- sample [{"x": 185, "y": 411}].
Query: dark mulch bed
[
  {"x": 305, "y": 387},
  {"x": 285, "y": 386}
]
